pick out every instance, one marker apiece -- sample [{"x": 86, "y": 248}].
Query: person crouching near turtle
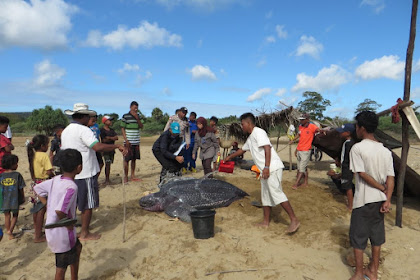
[
  {"x": 166, "y": 150},
  {"x": 62, "y": 196},
  {"x": 267, "y": 160},
  {"x": 206, "y": 140}
]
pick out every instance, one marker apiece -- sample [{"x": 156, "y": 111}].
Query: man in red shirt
[{"x": 306, "y": 134}]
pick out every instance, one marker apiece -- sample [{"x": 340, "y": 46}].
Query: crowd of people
[{"x": 67, "y": 176}]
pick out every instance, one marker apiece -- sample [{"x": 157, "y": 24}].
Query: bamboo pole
[{"x": 405, "y": 123}]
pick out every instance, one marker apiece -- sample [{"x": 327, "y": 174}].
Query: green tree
[
  {"x": 157, "y": 115},
  {"x": 314, "y": 104},
  {"x": 367, "y": 105},
  {"x": 45, "y": 119}
]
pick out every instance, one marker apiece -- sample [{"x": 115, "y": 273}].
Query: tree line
[{"x": 43, "y": 120}]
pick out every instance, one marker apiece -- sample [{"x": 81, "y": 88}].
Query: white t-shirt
[
  {"x": 255, "y": 143},
  {"x": 374, "y": 159},
  {"x": 80, "y": 137}
]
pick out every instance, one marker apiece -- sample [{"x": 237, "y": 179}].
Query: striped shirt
[{"x": 132, "y": 130}]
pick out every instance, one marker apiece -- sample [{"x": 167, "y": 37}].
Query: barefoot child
[
  {"x": 373, "y": 166},
  {"x": 267, "y": 160},
  {"x": 61, "y": 204},
  {"x": 108, "y": 136},
  {"x": 11, "y": 185},
  {"x": 41, "y": 169}
]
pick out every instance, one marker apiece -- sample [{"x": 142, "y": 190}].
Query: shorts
[
  {"x": 133, "y": 153},
  {"x": 303, "y": 160},
  {"x": 63, "y": 260},
  {"x": 271, "y": 191},
  {"x": 109, "y": 157},
  {"x": 87, "y": 193},
  {"x": 99, "y": 158},
  {"x": 367, "y": 222}
]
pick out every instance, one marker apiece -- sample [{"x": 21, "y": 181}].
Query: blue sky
[{"x": 216, "y": 57}]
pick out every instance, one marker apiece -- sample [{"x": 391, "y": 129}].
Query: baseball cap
[
  {"x": 105, "y": 118},
  {"x": 184, "y": 110},
  {"x": 175, "y": 127},
  {"x": 304, "y": 116},
  {"x": 347, "y": 127}
]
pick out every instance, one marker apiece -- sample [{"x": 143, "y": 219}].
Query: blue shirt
[
  {"x": 193, "y": 126},
  {"x": 96, "y": 130}
]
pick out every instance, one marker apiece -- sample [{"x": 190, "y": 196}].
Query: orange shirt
[{"x": 306, "y": 136}]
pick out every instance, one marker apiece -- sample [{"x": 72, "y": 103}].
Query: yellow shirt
[{"x": 42, "y": 164}]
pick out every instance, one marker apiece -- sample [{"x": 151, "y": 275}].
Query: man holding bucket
[{"x": 267, "y": 160}]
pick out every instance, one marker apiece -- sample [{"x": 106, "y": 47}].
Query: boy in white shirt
[
  {"x": 373, "y": 166},
  {"x": 267, "y": 160}
]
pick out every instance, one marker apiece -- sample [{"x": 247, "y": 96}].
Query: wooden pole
[
  {"x": 290, "y": 158},
  {"x": 402, "y": 106},
  {"x": 124, "y": 207},
  {"x": 405, "y": 123}
]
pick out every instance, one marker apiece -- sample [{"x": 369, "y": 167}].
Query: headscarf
[{"x": 202, "y": 132}]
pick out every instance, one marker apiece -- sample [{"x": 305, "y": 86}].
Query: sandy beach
[{"x": 158, "y": 247}]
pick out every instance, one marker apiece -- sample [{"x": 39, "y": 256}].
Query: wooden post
[
  {"x": 290, "y": 158},
  {"x": 405, "y": 123}
]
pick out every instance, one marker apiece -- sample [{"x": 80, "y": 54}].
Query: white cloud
[
  {"x": 330, "y": 78},
  {"x": 199, "y": 43},
  {"x": 36, "y": 24},
  {"x": 270, "y": 39},
  {"x": 281, "y": 33},
  {"x": 141, "y": 79},
  {"x": 262, "y": 62},
  {"x": 377, "y": 5},
  {"x": 310, "y": 46},
  {"x": 128, "y": 68},
  {"x": 415, "y": 93},
  {"x": 289, "y": 101},
  {"x": 281, "y": 91},
  {"x": 47, "y": 74},
  {"x": 416, "y": 66},
  {"x": 258, "y": 94},
  {"x": 385, "y": 67},
  {"x": 200, "y": 72},
  {"x": 146, "y": 35},
  {"x": 206, "y": 5},
  {"x": 269, "y": 15},
  {"x": 166, "y": 91}
]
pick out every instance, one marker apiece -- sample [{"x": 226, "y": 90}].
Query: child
[
  {"x": 55, "y": 147},
  {"x": 61, "y": 204},
  {"x": 108, "y": 136},
  {"x": 213, "y": 124},
  {"x": 271, "y": 166},
  {"x": 207, "y": 142},
  {"x": 11, "y": 185},
  {"x": 41, "y": 170},
  {"x": 374, "y": 173},
  {"x": 6, "y": 146}
]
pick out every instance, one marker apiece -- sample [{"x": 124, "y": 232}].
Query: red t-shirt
[
  {"x": 4, "y": 141},
  {"x": 306, "y": 136}
]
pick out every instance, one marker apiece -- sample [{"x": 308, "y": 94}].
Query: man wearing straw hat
[{"x": 77, "y": 135}]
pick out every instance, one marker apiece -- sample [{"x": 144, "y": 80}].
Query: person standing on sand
[
  {"x": 373, "y": 165},
  {"x": 77, "y": 135},
  {"x": 305, "y": 137},
  {"x": 267, "y": 160},
  {"x": 130, "y": 128}
]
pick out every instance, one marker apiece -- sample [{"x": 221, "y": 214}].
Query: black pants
[{"x": 207, "y": 166}]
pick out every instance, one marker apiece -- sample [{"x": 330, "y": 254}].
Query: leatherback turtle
[{"x": 181, "y": 196}]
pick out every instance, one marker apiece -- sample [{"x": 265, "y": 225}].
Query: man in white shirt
[
  {"x": 267, "y": 160},
  {"x": 77, "y": 135},
  {"x": 373, "y": 166}
]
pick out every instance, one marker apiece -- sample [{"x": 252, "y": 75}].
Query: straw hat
[{"x": 80, "y": 108}]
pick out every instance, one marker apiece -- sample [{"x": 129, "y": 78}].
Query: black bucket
[{"x": 203, "y": 223}]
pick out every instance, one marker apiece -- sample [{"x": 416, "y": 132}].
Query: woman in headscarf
[{"x": 206, "y": 140}]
